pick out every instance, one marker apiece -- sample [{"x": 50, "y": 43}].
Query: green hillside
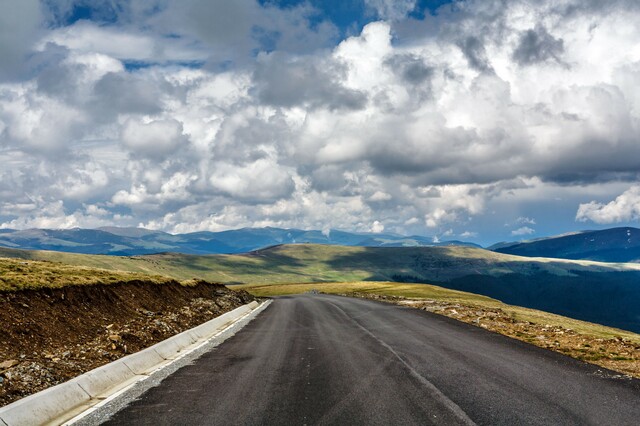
[
  {"x": 605, "y": 293},
  {"x": 317, "y": 263}
]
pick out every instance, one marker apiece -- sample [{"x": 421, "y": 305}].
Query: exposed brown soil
[
  {"x": 48, "y": 336},
  {"x": 618, "y": 354}
]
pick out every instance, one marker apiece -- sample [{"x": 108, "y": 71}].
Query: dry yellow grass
[{"x": 18, "y": 274}]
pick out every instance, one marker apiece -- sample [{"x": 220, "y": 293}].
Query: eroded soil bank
[{"x": 49, "y": 336}]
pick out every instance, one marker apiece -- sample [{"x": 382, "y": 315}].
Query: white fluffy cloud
[
  {"x": 52, "y": 215},
  {"x": 419, "y": 126},
  {"x": 261, "y": 180},
  {"x": 377, "y": 227},
  {"x": 625, "y": 208},
  {"x": 525, "y": 230}
]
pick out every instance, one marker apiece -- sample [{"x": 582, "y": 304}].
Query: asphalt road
[{"x": 317, "y": 359}]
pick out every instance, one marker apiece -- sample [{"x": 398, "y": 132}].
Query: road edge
[{"x": 71, "y": 399}]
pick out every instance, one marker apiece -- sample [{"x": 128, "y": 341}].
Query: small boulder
[{"x": 8, "y": 364}]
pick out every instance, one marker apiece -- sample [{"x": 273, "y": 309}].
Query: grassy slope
[
  {"x": 590, "y": 291},
  {"x": 18, "y": 274},
  {"x": 318, "y": 263}
]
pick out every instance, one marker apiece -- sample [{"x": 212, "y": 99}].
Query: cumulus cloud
[
  {"x": 523, "y": 220},
  {"x": 625, "y": 208},
  {"x": 154, "y": 139},
  {"x": 377, "y": 227},
  {"x": 209, "y": 115},
  {"x": 261, "y": 180},
  {"x": 282, "y": 80},
  {"x": 438, "y": 217},
  {"x": 525, "y": 230},
  {"x": 38, "y": 124},
  {"x": 52, "y": 215}
]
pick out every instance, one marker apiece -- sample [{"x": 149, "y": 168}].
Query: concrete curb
[{"x": 66, "y": 400}]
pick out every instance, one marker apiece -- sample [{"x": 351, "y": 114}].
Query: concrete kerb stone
[
  {"x": 171, "y": 348},
  {"x": 205, "y": 330},
  {"x": 53, "y": 404},
  {"x": 45, "y": 406},
  {"x": 143, "y": 362},
  {"x": 102, "y": 379}
]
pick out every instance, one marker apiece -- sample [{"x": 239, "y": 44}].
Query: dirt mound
[{"x": 49, "y": 336}]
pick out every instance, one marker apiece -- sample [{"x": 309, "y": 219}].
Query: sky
[{"x": 477, "y": 120}]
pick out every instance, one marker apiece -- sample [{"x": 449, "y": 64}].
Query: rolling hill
[
  {"x": 139, "y": 241},
  {"x": 605, "y": 293},
  {"x": 609, "y": 245}
]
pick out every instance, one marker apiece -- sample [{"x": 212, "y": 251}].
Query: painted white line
[{"x": 435, "y": 392}]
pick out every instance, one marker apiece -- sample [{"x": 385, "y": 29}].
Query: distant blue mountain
[
  {"x": 608, "y": 245},
  {"x": 139, "y": 241}
]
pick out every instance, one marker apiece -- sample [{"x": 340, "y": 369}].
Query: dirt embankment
[{"x": 48, "y": 336}]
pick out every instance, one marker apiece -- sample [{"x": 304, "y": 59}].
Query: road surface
[{"x": 318, "y": 359}]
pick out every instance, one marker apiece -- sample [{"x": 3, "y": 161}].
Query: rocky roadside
[
  {"x": 51, "y": 337},
  {"x": 618, "y": 354}
]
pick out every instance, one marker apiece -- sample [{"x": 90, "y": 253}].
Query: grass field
[{"x": 18, "y": 274}]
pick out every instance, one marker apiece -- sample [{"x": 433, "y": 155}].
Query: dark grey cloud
[
  {"x": 411, "y": 68},
  {"x": 286, "y": 81},
  {"x": 119, "y": 92},
  {"x": 20, "y": 26},
  {"x": 235, "y": 30},
  {"x": 473, "y": 49},
  {"x": 537, "y": 45}
]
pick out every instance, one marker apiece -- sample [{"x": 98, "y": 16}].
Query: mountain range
[
  {"x": 608, "y": 245},
  {"x": 139, "y": 241}
]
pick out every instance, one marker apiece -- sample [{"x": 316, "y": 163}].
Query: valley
[
  {"x": 605, "y": 293},
  {"x": 109, "y": 306}
]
